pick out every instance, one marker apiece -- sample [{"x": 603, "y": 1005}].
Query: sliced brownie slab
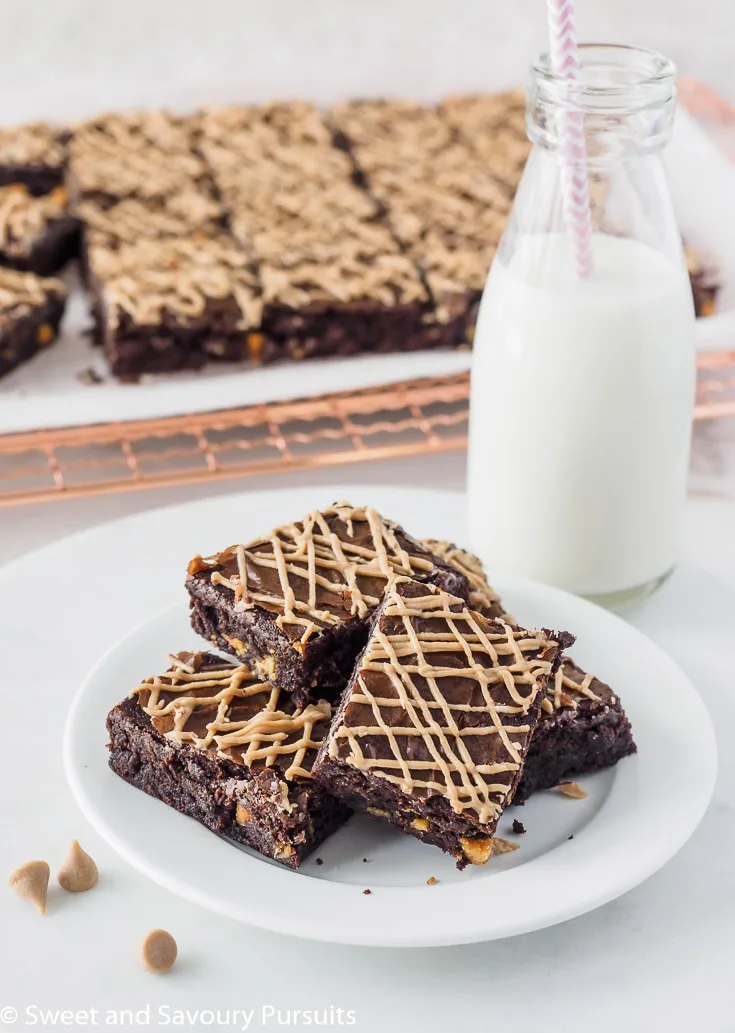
[{"x": 436, "y": 722}]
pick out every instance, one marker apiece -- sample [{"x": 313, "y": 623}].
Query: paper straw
[{"x": 564, "y": 54}]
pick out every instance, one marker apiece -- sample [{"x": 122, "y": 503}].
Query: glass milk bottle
[{"x": 583, "y": 388}]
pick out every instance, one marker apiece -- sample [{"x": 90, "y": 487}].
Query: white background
[{"x": 83, "y": 55}]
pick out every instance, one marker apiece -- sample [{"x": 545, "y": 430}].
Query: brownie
[
  {"x": 437, "y": 719},
  {"x": 583, "y": 728},
  {"x": 31, "y": 308},
  {"x": 34, "y": 155},
  {"x": 335, "y": 279},
  {"x": 296, "y": 604},
  {"x": 162, "y": 305},
  {"x": 443, "y": 204},
  {"x": 147, "y": 155},
  {"x": 212, "y": 742},
  {"x": 705, "y": 279},
  {"x": 37, "y": 233}
]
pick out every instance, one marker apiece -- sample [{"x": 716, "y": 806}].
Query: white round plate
[{"x": 575, "y": 856}]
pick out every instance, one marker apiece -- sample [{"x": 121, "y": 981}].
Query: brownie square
[
  {"x": 37, "y": 233},
  {"x": 437, "y": 719},
  {"x": 212, "y": 742},
  {"x": 147, "y": 155},
  {"x": 30, "y": 312},
  {"x": 583, "y": 728},
  {"x": 296, "y": 604},
  {"x": 170, "y": 304},
  {"x": 34, "y": 155}
]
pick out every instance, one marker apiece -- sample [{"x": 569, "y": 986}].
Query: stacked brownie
[
  {"x": 334, "y": 279},
  {"x": 209, "y": 739},
  {"x": 37, "y": 237},
  {"x": 371, "y": 672}
]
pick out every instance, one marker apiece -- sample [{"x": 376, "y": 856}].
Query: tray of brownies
[{"x": 204, "y": 258}]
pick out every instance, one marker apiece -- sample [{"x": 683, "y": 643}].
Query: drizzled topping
[
  {"x": 189, "y": 211},
  {"x": 444, "y": 702},
  {"x": 33, "y": 144},
  {"x": 481, "y": 597},
  {"x": 21, "y": 292},
  {"x": 148, "y": 279},
  {"x": 569, "y": 685},
  {"x": 209, "y": 704},
  {"x": 23, "y": 217},
  {"x": 332, "y": 566}
]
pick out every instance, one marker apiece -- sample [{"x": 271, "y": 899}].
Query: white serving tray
[{"x": 50, "y": 391}]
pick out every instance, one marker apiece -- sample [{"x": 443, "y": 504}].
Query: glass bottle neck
[{"x": 626, "y": 97}]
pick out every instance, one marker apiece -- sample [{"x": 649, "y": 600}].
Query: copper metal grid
[{"x": 403, "y": 419}]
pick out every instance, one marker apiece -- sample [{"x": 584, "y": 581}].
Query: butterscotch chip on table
[
  {"x": 159, "y": 951},
  {"x": 37, "y": 233},
  {"x": 30, "y": 882},
  {"x": 31, "y": 308},
  {"x": 296, "y": 604},
  {"x": 215, "y": 743},
  {"x": 33, "y": 154},
  {"x": 705, "y": 278},
  {"x": 436, "y": 722}
]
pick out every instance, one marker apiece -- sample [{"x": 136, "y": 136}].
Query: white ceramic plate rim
[{"x": 626, "y": 842}]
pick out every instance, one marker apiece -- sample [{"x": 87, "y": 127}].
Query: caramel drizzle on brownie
[
  {"x": 323, "y": 562},
  {"x": 35, "y": 143},
  {"x": 508, "y": 689},
  {"x": 171, "y": 701},
  {"x": 23, "y": 217},
  {"x": 151, "y": 277},
  {"x": 20, "y": 292},
  {"x": 482, "y": 596},
  {"x": 563, "y": 690}
]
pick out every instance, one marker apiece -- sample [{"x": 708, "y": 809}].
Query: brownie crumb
[
  {"x": 364, "y": 860},
  {"x": 90, "y": 376},
  {"x": 319, "y": 860},
  {"x": 431, "y": 881},
  {"x": 518, "y": 827},
  {"x": 367, "y": 892},
  {"x": 570, "y": 836}
]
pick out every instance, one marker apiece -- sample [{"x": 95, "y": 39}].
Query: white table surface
[{"x": 661, "y": 954}]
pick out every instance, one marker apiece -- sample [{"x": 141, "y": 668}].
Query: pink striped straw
[{"x": 564, "y": 54}]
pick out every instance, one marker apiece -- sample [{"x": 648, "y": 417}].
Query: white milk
[{"x": 582, "y": 395}]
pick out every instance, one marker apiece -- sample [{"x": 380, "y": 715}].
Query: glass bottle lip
[{"x": 610, "y": 73}]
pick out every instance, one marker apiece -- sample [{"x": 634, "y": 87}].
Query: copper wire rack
[{"x": 403, "y": 419}]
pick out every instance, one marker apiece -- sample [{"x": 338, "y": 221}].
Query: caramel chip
[
  {"x": 159, "y": 951},
  {"x": 431, "y": 881},
  {"x": 504, "y": 846},
  {"x": 573, "y": 790},
  {"x": 30, "y": 882},
  {"x": 78, "y": 873}
]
